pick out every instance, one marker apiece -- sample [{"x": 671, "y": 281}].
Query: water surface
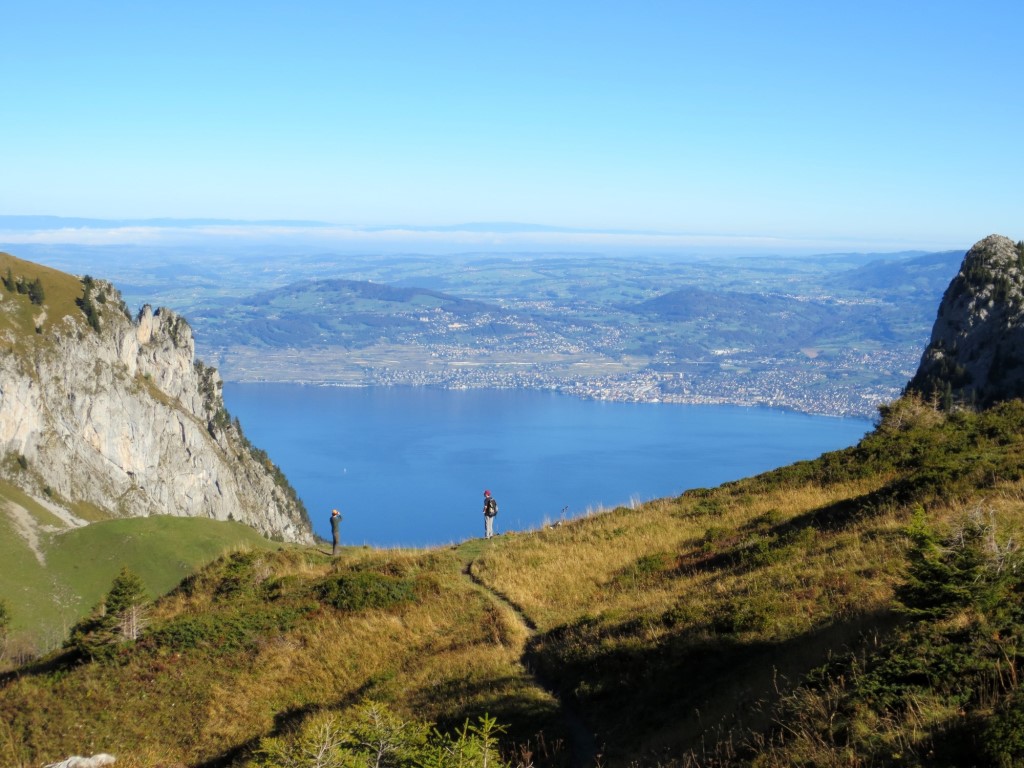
[{"x": 407, "y": 466}]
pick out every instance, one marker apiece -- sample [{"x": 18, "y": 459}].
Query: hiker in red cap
[{"x": 490, "y": 510}]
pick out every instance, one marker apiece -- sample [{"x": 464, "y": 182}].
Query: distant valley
[{"x": 836, "y": 334}]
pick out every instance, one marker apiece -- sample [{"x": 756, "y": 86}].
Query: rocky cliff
[
  {"x": 106, "y": 415},
  {"x": 976, "y": 353}
]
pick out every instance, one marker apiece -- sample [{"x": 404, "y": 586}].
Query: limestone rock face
[
  {"x": 126, "y": 420},
  {"x": 976, "y": 352}
]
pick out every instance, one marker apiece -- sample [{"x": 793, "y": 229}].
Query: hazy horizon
[{"x": 445, "y": 238}]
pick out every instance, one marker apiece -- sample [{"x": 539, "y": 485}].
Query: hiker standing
[
  {"x": 490, "y": 510},
  {"x": 335, "y": 520}
]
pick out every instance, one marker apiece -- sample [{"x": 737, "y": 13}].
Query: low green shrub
[
  {"x": 365, "y": 590},
  {"x": 644, "y": 572},
  {"x": 220, "y": 633},
  {"x": 749, "y": 613},
  {"x": 372, "y": 734}
]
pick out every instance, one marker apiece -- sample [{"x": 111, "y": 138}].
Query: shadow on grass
[
  {"x": 57, "y": 662},
  {"x": 682, "y": 694},
  {"x": 529, "y": 718},
  {"x": 740, "y": 550},
  {"x": 844, "y": 513},
  {"x": 284, "y": 722}
]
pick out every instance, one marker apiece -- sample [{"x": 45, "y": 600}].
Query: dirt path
[
  {"x": 26, "y": 527},
  {"x": 582, "y": 745}
]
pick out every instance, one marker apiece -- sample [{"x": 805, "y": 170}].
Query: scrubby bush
[
  {"x": 644, "y": 572},
  {"x": 943, "y": 683},
  {"x": 374, "y": 736},
  {"x": 746, "y": 613},
  {"x": 222, "y": 633},
  {"x": 366, "y": 589}
]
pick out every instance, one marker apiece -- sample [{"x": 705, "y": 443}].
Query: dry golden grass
[
  {"x": 560, "y": 574},
  {"x": 793, "y": 572},
  {"x": 186, "y": 707},
  {"x": 18, "y": 314}
]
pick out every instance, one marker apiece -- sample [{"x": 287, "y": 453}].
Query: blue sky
[{"x": 898, "y": 124}]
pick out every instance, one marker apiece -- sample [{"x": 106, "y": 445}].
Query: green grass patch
[
  {"x": 80, "y": 564},
  {"x": 365, "y": 590},
  {"x": 162, "y": 550},
  {"x": 26, "y": 586},
  {"x": 43, "y": 516},
  {"x": 61, "y": 291}
]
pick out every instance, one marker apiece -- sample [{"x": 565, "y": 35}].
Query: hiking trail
[{"x": 583, "y": 749}]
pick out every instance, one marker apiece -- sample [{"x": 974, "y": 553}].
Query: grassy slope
[
  {"x": 26, "y": 587},
  {"x": 252, "y": 646},
  {"x": 161, "y": 550},
  {"x": 61, "y": 290},
  {"x": 669, "y": 629},
  {"x": 668, "y": 623},
  {"x": 45, "y": 598},
  {"x": 672, "y": 626}
]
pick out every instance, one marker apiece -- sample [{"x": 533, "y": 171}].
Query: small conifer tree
[
  {"x": 35, "y": 292},
  {"x": 85, "y": 303},
  {"x": 5, "y": 626},
  {"x": 126, "y": 601},
  {"x": 120, "y": 617}
]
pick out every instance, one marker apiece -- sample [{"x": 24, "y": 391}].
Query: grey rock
[
  {"x": 976, "y": 352},
  {"x": 126, "y": 420}
]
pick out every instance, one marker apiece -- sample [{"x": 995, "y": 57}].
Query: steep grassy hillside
[
  {"x": 260, "y": 642},
  {"x": 860, "y": 609},
  {"x": 60, "y": 291},
  {"x": 674, "y": 626},
  {"x": 54, "y": 575}
]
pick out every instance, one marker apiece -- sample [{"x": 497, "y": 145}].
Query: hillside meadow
[
  {"x": 863, "y": 608},
  {"x": 54, "y": 574}
]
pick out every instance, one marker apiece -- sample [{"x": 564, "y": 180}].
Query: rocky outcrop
[
  {"x": 976, "y": 353},
  {"x": 107, "y": 415}
]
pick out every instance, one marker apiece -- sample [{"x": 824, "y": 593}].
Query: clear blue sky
[{"x": 900, "y": 122}]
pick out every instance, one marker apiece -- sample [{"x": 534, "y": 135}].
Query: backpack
[{"x": 492, "y": 506}]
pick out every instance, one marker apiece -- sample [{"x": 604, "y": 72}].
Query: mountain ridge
[{"x": 102, "y": 413}]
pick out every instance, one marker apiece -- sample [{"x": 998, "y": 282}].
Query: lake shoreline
[{"x": 407, "y": 466}]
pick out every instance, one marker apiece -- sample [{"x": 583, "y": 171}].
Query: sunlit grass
[{"x": 582, "y": 567}]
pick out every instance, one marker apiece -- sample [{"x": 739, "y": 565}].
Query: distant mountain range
[
  {"x": 834, "y": 333},
  {"x": 29, "y": 223},
  {"x": 726, "y": 326}
]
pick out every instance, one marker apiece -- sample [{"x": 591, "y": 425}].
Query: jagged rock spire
[
  {"x": 116, "y": 416},
  {"x": 976, "y": 353}
]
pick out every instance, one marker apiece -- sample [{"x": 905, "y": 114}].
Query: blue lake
[{"x": 408, "y": 466}]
